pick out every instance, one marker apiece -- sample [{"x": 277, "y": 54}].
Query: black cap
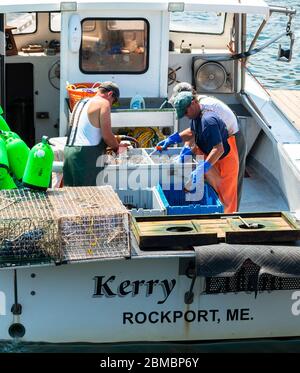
[{"x": 110, "y": 86}]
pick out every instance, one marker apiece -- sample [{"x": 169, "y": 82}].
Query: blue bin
[{"x": 176, "y": 204}]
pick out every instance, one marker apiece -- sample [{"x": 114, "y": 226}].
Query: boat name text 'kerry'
[{"x": 107, "y": 287}]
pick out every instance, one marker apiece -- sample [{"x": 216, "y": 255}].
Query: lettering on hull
[
  {"x": 198, "y": 316},
  {"x": 107, "y": 287},
  {"x": 110, "y": 287}
]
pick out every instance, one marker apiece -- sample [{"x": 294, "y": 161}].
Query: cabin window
[
  {"x": 198, "y": 22},
  {"x": 24, "y": 23},
  {"x": 116, "y": 46},
  {"x": 55, "y": 19}
]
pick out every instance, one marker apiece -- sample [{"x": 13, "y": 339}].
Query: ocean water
[
  {"x": 264, "y": 65},
  {"x": 272, "y": 74}
]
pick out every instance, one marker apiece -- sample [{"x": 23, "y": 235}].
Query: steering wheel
[{"x": 54, "y": 75}]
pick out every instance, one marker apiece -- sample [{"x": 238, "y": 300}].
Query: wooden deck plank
[
  {"x": 288, "y": 102},
  {"x": 283, "y": 98}
]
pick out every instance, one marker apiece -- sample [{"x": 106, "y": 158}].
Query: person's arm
[
  {"x": 215, "y": 139},
  {"x": 105, "y": 125},
  {"x": 215, "y": 154},
  {"x": 177, "y": 138},
  {"x": 187, "y": 135}
]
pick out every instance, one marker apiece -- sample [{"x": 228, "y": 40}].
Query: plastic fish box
[
  {"x": 137, "y": 170},
  {"x": 142, "y": 202},
  {"x": 176, "y": 203},
  {"x": 168, "y": 171},
  {"x": 128, "y": 171}
]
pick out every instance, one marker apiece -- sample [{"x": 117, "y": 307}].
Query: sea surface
[
  {"x": 264, "y": 65},
  {"x": 272, "y": 74}
]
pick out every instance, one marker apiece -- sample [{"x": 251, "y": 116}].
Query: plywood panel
[
  {"x": 288, "y": 102},
  {"x": 242, "y": 228}
]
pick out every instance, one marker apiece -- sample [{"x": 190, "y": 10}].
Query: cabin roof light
[
  {"x": 176, "y": 7},
  {"x": 68, "y": 6}
]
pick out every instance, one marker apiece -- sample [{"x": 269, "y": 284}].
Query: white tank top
[
  {"x": 222, "y": 110},
  {"x": 87, "y": 134}
]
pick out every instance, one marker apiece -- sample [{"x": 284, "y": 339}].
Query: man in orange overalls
[{"x": 221, "y": 165}]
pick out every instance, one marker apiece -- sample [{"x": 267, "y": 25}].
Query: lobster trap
[
  {"x": 69, "y": 224},
  {"x": 28, "y": 228},
  {"x": 93, "y": 223}
]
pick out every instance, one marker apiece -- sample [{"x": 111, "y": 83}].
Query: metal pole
[
  {"x": 244, "y": 40},
  {"x": 279, "y": 9}
]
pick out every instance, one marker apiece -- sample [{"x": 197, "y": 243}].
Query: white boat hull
[{"x": 138, "y": 300}]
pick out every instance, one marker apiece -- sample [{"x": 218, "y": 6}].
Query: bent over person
[
  {"x": 236, "y": 137},
  {"x": 90, "y": 134},
  {"x": 210, "y": 134}
]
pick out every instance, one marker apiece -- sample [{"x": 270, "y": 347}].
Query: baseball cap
[
  {"x": 180, "y": 87},
  {"x": 181, "y": 102},
  {"x": 110, "y": 86}
]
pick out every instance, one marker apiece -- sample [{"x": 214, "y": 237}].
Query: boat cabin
[
  {"x": 146, "y": 47},
  {"x": 139, "y": 45}
]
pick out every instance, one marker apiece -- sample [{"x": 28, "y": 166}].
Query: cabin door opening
[{"x": 20, "y": 100}]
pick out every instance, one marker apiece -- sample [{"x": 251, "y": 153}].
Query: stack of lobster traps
[{"x": 62, "y": 225}]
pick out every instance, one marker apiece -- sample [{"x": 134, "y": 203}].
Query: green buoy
[
  {"x": 3, "y": 124},
  {"x": 6, "y": 181},
  {"x": 5, "y": 135},
  {"x": 37, "y": 174},
  {"x": 4, "y": 165},
  {"x": 17, "y": 153}
]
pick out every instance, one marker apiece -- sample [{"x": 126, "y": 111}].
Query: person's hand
[
  {"x": 185, "y": 154},
  {"x": 122, "y": 147},
  {"x": 118, "y": 138},
  {"x": 173, "y": 139},
  {"x": 197, "y": 175}
]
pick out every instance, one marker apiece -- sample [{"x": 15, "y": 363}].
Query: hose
[{"x": 134, "y": 142}]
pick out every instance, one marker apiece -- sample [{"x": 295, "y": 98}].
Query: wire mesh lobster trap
[
  {"x": 67, "y": 224},
  {"x": 28, "y": 228},
  {"x": 93, "y": 223}
]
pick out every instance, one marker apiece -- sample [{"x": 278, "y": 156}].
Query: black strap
[{"x": 73, "y": 115}]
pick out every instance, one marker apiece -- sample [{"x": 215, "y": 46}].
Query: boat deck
[
  {"x": 259, "y": 195},
  {"x": 288, "y": 102}
]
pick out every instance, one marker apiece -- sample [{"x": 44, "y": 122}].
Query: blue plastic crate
[{"x": 176, "y": 204}]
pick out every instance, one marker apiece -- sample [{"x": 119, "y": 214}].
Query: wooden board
[
  {"x": 171, "y": 234},
  {"x": 271, "y": 229},
  {"x": 183, "y": 231},
  {"x": 288, "y": 102}
]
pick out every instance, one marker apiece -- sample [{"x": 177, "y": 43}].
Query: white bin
[
  {"x": 152, "y": 171},
  {"x": 128, "y": 173},
  {"x": 168, "y": 170},
  {"x": 142, "y": 202}
]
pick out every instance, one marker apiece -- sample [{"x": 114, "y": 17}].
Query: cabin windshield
[
  {"x": 198, "y": 22},
  {"x": 114, "y": 45},
  {"x": 23, "y": 23}
]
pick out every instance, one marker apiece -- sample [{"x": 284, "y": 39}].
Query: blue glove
[
  {"x": 186, "y": 153},
  {"x": 197, "y": 174},
  {"x": 173, "y": 139}
]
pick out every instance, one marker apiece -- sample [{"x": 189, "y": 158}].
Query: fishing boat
[{"x": 169, "y": 283}]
